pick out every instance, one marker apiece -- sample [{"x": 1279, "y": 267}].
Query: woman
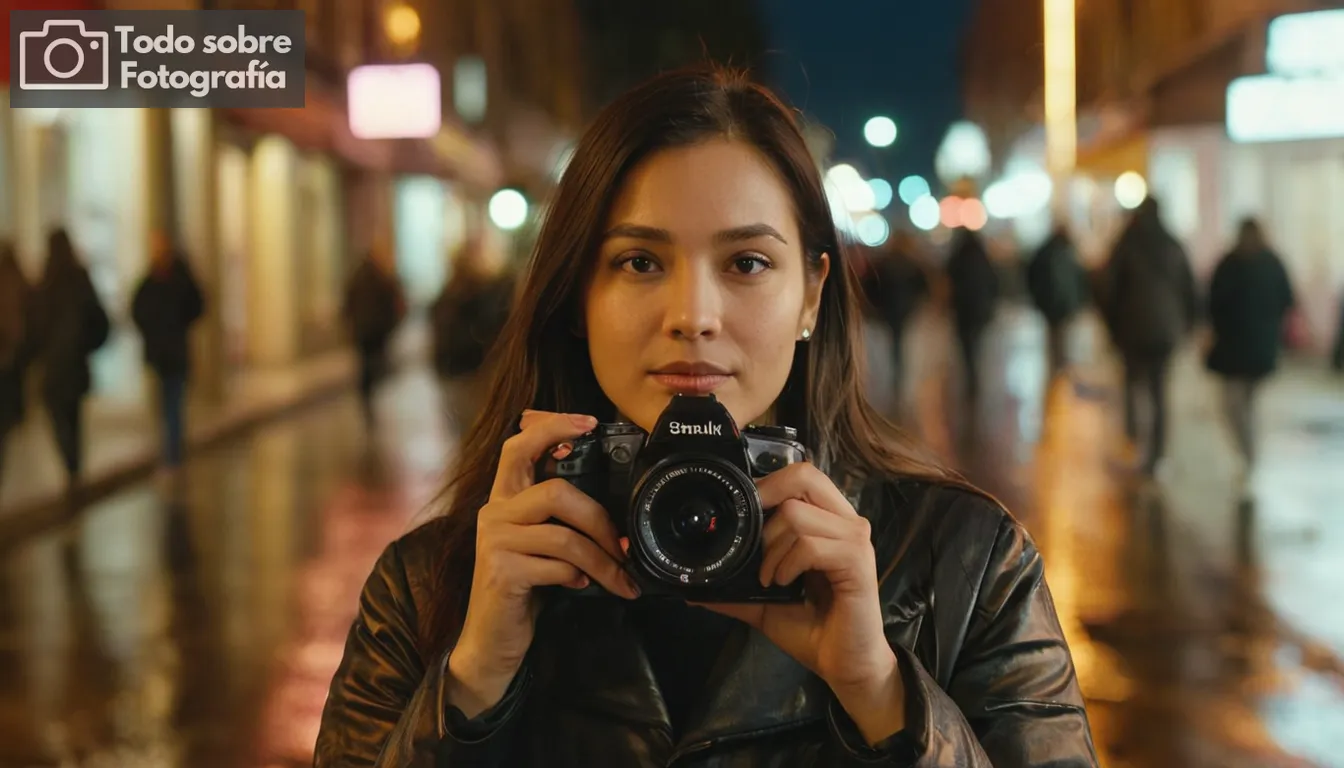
[
  {"x": 690, "y": 248},
  {"x": 1249, "y": 297}
]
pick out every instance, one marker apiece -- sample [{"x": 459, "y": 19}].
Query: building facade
[{"x": 1152, "y": 89}]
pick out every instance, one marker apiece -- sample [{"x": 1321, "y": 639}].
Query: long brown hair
[{"x": 542, "y": 361}]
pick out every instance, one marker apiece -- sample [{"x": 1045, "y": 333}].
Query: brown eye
[
  {"x": 750, "y": 265},
  {"x": 639, "y": 264}
]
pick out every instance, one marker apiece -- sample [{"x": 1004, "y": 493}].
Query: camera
[
  {"x": 64, "y": 56},
  {"x": 685, "y": 496}
]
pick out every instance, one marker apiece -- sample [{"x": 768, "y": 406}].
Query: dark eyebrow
[
  {"x": 749, "y": 232},
  {"x": 639, "y": 232},
  {"x": 734, "y": 235}
]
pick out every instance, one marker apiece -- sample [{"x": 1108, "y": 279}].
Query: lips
[{"x": 691, "y": 378}]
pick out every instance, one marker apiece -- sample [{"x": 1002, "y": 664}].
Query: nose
[{"x": 694, "y": 304}]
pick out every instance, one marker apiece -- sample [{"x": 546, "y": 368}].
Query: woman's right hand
[{"x": 518, "y": 548}]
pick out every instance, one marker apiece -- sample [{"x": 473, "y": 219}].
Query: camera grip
[{"x": 574, "y": 470}]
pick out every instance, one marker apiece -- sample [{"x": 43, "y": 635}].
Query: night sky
[{"x": 844, "y": 61}]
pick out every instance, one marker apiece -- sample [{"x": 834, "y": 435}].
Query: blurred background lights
[
  {"x": 949, "y": 212},
  {"x": 912, "y": 188},
  {"x": 881, "y": 193},
  {"x": 973, "y": 215},
  {"x": 853, "y": 190},
  {"x": 840, "y": 215},
  {"x": 880, "y": 131},
  {"x": 873, "y": 229},
  {"x": 508, "y": 209},
  {"x": 925, "y": 213},
  {"x": 1018, "y": 195},
  {"x": 402, "y": 24},
  {"x": 1130, "y": 190},
  {"x": 963, "y": 153}
]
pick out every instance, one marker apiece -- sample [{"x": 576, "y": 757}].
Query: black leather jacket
[{"x": 988, "y": 676}]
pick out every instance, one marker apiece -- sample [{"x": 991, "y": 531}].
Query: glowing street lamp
[
  {"x": 508, "y": 209},
  {"x": 1061, "y": 107},
  {"x": 880, "y": 131},
  {"x": 401, "y": 23}
]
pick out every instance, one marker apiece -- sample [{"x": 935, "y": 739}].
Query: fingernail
[
  {"x": 582, "y": 422},
  {"x": 581, "y": 583},
  {"x": 632, "y": 586},
  {"x": 562, "y": 450},
  {"x": 625, "y": 545}
]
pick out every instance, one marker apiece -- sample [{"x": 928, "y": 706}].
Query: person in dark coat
[
  {"x": 466, "y": 319},
  {"x": 894, "y": 283},
  {"x": 15, "y": 343},
  {"x": 166, "y": 305},
  {"x": 1249, "y": 298},
  {"x": 374, "y": 307},
  {"x": 1058, "y": 287},
  {"x": 71, "y": 325},
  {"x": 1150, "y": 307},
  {"x": 975, "y": 295}
]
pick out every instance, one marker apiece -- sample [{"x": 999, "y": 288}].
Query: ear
[{"x": 812, "y": 297}]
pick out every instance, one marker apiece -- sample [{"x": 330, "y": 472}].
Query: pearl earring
[{"x": 807, "y": 334}]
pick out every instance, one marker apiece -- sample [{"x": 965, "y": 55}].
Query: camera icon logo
[{"x": 64, "y": 56}]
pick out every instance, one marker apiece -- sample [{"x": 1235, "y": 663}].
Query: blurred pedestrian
[
  {"x": 166, "y": 305},
  {"x": 71, "y": 324},
  {"x": 15, "y": 344},
  {"x": 894, "y": 283},
  {"x": 1057, "y": 283},
  {"x": 467, "y": 318},
  {"x": 374, "y": 306},
  {"x": 1249, "y": 299},
  {"x": 975, "y": 294},
  {"x": 1150, "y": 306}
]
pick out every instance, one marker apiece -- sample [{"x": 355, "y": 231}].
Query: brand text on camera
[{"x": 708, "y": 428}]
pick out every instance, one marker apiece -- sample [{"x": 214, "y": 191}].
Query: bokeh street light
[
  {"x": 912, "y": 188},
  {"x": 1130, "y": 190},
  {"x": 880, "y": 131},
  {"x": 508, "y": 209},
  {"x": 925, "y": 213},
  {"x": 401, "y": 23},
  {"x": 854, "y": 191},
  {"x": 882, "y": 193},
  {"x": 873, "y": 229},
  {"x": 973, "y": 215}
]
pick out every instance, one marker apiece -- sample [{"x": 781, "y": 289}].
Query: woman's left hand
[{"x": 837, "y": 633}]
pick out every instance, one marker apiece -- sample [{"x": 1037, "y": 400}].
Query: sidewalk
[{"x": 122, "y": 439}]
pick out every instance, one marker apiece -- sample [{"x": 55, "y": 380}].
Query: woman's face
[{"x": 700, "y": 284}]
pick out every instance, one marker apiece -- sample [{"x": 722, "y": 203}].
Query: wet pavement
[{"x": 201, "y": 629}]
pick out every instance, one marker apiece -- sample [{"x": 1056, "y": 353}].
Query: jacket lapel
[{"x": 755, "y": 687}]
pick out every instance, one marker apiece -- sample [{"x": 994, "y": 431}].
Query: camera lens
[{"x": 696, "y": 522}]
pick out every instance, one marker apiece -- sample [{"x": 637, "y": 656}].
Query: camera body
[
  {"x": 64, "y": 56},
  {"x": 685, "y": 496}
]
